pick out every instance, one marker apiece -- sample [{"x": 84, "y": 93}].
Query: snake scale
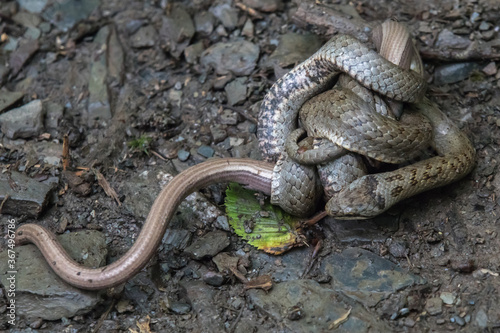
[{"x": 358, "y": 196}]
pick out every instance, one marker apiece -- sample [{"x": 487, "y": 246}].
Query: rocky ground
[{"x": 145, "y": 89}]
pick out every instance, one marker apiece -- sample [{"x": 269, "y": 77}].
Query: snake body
[{"x": 362, "y": 197}]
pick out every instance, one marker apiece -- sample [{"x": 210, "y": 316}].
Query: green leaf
[{"x": 261, "y": 224}]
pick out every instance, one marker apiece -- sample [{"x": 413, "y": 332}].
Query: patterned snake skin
[{"x": 345, "y": 119}]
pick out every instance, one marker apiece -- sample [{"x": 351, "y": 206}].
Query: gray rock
[
  {"x": 208, "y": 245},
  {"x": 204, "y": 23},
  {"x": 236, "y": 91},
  {"x": 226, "y": 14},
  {"x": 99, "y": 108},
  {"x": 180, "y": 308},
  {"x": 434, "y": 306},
  {"x": 183, "y": 155},
  {"x": 176, "y": 239},
  {"x": 294, "y": 48},
  {"x": 366, "y": 277},
  {"x": 219, "y": 134},
  {"x": 447, "y": 297},
  {"x": 213, "y": 279},
  {"x": 481, "y": 318},
  {"x": 193, "y": 52},
  {"x": 65, "y": 14},
  {"x": 239, "y": 57},
  {"x": 26, "y": 195},
  {"x": 264, "y": 5},
  {"x": 32, "y": 6},
  {"x": 24, "y": 122},
  {"x": 54, "y": 113},
  {"x": 447, "y": 39},
  {"x": 229, "y": 117},
  {"x": 116, "y": 58},
  {"x": 177, "y": 30},
  {"x": 40, "y": 293},
  {"x": 320, "y": 307},
  {"x": 454, "y": 72},
  {"x": 27, "y": 19},
  {"x": 202, "y": 297},
  {"x": 144, "y": 37},
  {"x": 8, "y": 98},
  {"x": 248, "y": 28},
  {"x": 222, "y": 223},
  {"x": 206, "y": 151}
]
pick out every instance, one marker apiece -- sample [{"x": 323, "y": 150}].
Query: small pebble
[
  {"x": 206, "y": 151},
  {"x": 458, "y": 320},
  {"x": 440, "y": 321},
  {"x": 183, "y": 155}
]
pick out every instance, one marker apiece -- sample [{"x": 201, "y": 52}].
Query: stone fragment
[
  {"x": 116, "y": 57},
  {"x": 236, "y": 91},
  {"x": 453, "y": 73},
  {"x": 145, "y": 37},
  {"x": 99, "y": 108},
  {"x": 177, "y": 30},
  {"x": 447, "y": 297},
  {"x": 239, "y": 57},
  {"x": 32, "y": 6},
  {"x": 322, "y": 306},
  {"x": 24, "y": 122},
  {"x": 366, "y": 277},
  {"x": 53, "y": 114},
  {"x": 204, "y": 23},
  {"x": 26, "y": 195},
  {"x": 22, "y": 54},
  {"x": 490, "y": 69},
  {"x": 213, "y": 279},
  {"x": 218, "y": 132},
  {"x": 40, "y": 293},
  {"x": 434, "y": 306},
  {"x": 65, "y": 14},
  {"x": 208, "y": 245},
  {"x": 294, "y": 48},
  {"x": 264, "y": 5},
  {"x": 8, "y": 98},
  {"x": 206, "y": 151},
  {"x": 226, "y": 14},
  {"x": 193, "y": 52},
  {"x": 447, "y": 39},
  {"x": 248, "y": 28},
  {"x": 229, "y": 117}
]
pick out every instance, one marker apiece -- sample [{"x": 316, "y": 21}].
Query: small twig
[
  {"x": 233, "y": 326},
  {"x": 241, "y": 111},
  {"x": 252, "y": 12},
  {"x": 3, "y": 201}
]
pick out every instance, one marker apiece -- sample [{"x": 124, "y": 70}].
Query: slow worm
[{"x": 253, "y": 174}]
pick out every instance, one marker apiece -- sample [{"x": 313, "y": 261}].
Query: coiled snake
[{"x": 364, "y": 197}]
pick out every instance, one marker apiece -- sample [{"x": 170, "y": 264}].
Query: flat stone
[
  {"x": 116, "y": 58},
  {"x": 23, "y": 122},
  {"x": 320, "y": 307},
  {"x": 53, "y": 115},
  {"x": 26, "y": 195},
  {"x": 208, "y": 245},
  {"x": 490, "y": 69},
  {"x": 206, "y": 151},
  {"x": 201, "y": 297},
  {"x": 40, "y": 293},
  {"x": 65, "y": 14},
  {"x": 239, "y": 57},
  {"x": 8, "y": 98},
  {"x": 99, "y": 108},
  {"x": 294, "y": 48},
  {"x": 213, "y": 278},
  {"x": 192, "y": 52},
  {"x": 177, "y": 30},
  {"x": 22, "y": 54},
  {"x": 434, "y": 306},
  {"x": 32, "y": 6},
  {"x": 204, "y": 23},
  {"x": 453, "y": 73},
  {"x": 366, "y": 277},
  {"x": 183, "y": 155},
  {"x": 236, "y": 91},
  {"x": 145, "y": 37},
  {"x": 447, "y": 297},
  {"x": 264, "y": 5},
  {"x": 218, "y": 132},
  {"x": 226, "y": 14},
  {"x": 447, "y": 39},
  {"x": 27, "y": 19},
  {"x": 229, "y": 117}
]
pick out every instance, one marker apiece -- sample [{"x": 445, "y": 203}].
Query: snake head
[{"x": 360, "y": 200}]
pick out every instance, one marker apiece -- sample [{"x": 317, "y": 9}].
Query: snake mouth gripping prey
[{"x": 351, "y": 120}]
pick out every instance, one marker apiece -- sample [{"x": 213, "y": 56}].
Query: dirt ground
[{"x": 169, "y": 110}]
